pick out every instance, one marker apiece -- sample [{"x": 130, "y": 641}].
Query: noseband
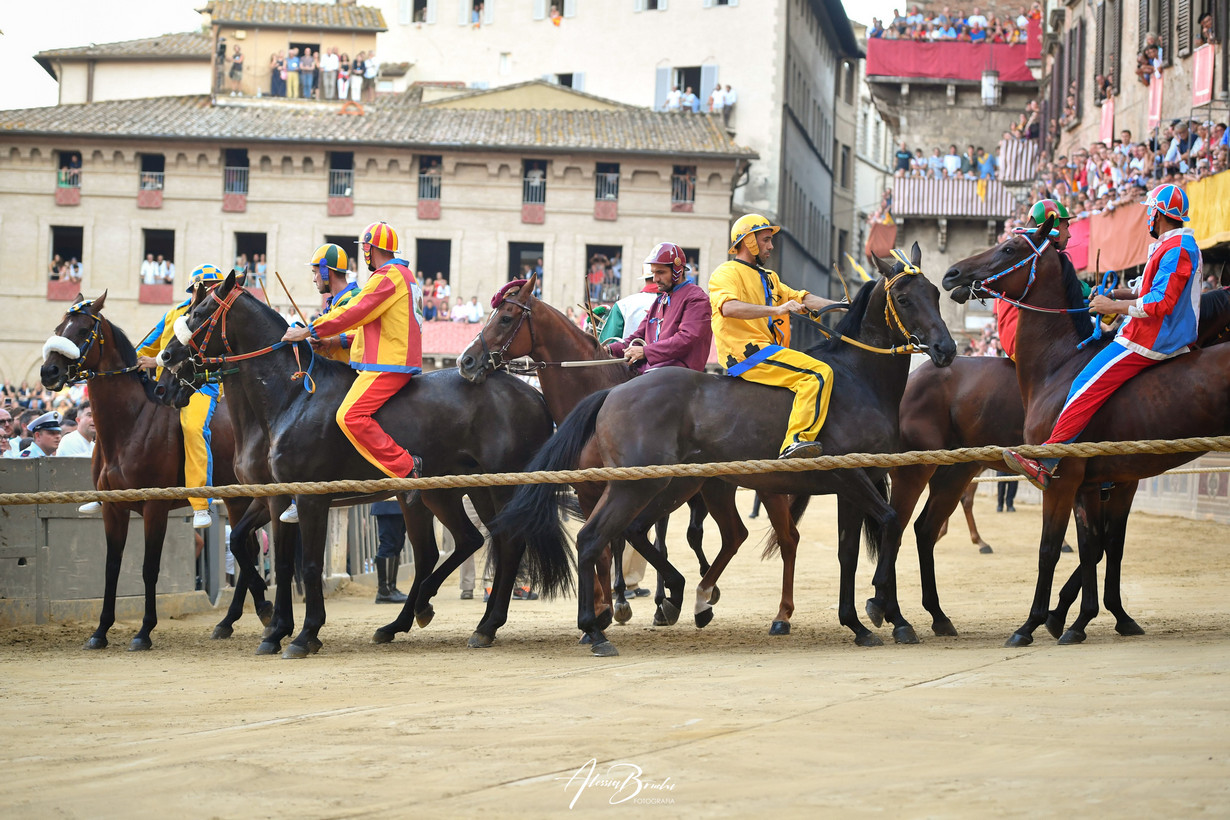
[
  {"x": 77, "y": 371},
  {"x": 980, "y": 287},
  {"x": 494, "y": 359}
]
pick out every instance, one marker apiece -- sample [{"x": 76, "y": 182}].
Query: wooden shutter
[
  {"x": 405, "y": 11},
  {"x": 578, "y": 81},
  {"x": 1099, "y": 41},
  {"x": 1183, "y": 28},
  {"x": 570, "y": 8},
  {"x": 708, "y": 79},
  {"x": 431, "y": 10},
  {"x": 540, "y": 9},
  {"x": 662, "y": 87},
  {"x": 1081, "y": 40},
  {"x": 1165, "y": 27},
  {"x": 488, "y": 13},
  {"x": 638, "y": 5},
  {"x": 464, "y": 8},
  {"x": 1114, "y": 42}
]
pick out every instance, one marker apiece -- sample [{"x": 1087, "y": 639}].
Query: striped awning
[
  {"x": 960, "y": 198},
  {"x": 1018, "y": 160}
]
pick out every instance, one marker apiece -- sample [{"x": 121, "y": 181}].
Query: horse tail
[
  {"x": 872, "y": 530},
  {"x": 797, "y": 507},
  {"x": 533, "y": 515}
]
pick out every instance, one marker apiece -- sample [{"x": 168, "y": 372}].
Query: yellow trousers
[
  {"x": 811, "y": 381},
  {"x": 198, "y": 457}
]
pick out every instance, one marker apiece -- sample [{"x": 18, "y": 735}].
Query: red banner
[
  {"x": 1121, "y": 237},
  {"x": 946, "y": 60},
  {"x": 1107, "y": 132},
  {"x": 1078, "y": 243},
  {"x": 1202, "y": 75},
  {"x": 1155, "y": 101}
]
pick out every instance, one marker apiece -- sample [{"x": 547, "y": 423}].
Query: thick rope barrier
[
  {"x": 984, "y": 479},
  {"x": 702, "y": 470}
]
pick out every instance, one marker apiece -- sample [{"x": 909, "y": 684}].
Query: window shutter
[
  {"x": 488, "y": 12},
  {"x": 733, "y": 3},
  {"x": 1114, "y": 40},
  {"x": 431, "y": 10},
  {"x": 1081, "y": 39},
  {"x": 1099, "y": 40},
  {"x": 662, "y": 87},
  {"x": 638, "y": 5},
  {"x": 570, "y": 8},
  {"x": 661, "y": 5},
  {"x": 1142, "y": 24},
  {"x": 578, "y": 81},
  {"x": 708, "y": 79},
  {"x": 1165, "y": 25},
  {"x": 464, "y": 7},
  {"x": 708, "y": 4},
  {"x": 1183, "y": 28},
  {"x": 540, "y": 9},
  {"x": 405, "y": 11}
]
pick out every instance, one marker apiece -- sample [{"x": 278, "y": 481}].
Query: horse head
[
  {"x": 912, "y": 307},
  {"x": 1010, "y": 266},
  {"x": 177, "y": 381},
  {"x": 508, "y": 333},
  {"x": 76, "y": 346}
]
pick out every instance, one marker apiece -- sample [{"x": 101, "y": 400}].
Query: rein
[
  {"x": 495, "y": 358},
  {"x": 1035, "y": 255},
  {"x": 891, "y": 317},
  {"x": 78, "y": 372}
]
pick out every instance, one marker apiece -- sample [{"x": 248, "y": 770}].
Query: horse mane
[
  {"x": 851, "y": 324},
  {"x": 1214, "y": 307},
  {"x": 1075, "y": 297},
  {"x": 128, "y": 358}
]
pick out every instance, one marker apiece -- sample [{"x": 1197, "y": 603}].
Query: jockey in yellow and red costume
[{"x": 387, "y": 351}]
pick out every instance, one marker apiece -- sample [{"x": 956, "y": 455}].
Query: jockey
[
  {"x": 195, "y": 418},
  {"x": 330, "y": 266},
  {"x": 676, "y": 331},
  {"x": 1005, "y": 313},
  {"x": 751, "y": 325},
  {"x": 387, "y": 352},
  {"x": 1162, "y": 323}
]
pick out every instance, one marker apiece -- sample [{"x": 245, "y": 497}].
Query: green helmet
[{"x": 1046, "y": 207}]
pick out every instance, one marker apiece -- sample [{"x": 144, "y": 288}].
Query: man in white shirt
[
  {"x": 689, "y": 101},
  {"x": 474, "y": 311},
  {"x": 952, "y": 163},
  {"x": 731, "y": 99},
  {"x": 330, "y": 62},
  {"x": 977, "y": 18},
  {"x": 80, "y": 442},
  {"x": 459, "y": 313},
  {"x": 149, "y": 271},
  {"x": 717, "y": 100},
  {"x": 673, "y": 99}
]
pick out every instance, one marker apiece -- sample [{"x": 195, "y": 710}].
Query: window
[
  {"x": 235, "y": 171},
  {"x": 350, "y": 244},
  {"x": 649, "y": 5},
  {"x": 429, "y": 177},
  {"x": 693, "y": 257},
  {"x": 683, "y": 185},
  {"x": 1155, "y": 17},
  {"x": 848, "y": 72},
  {"x": 341, "y": 173},
  {"x": 713, "y": 3},
  {"x": 604, "y": 274},
  {"x": 415, "y": 11},
  {"x": 249, "y": 246},
  {"x": 1108, "y": 29},
  {"x": 476, "y": 13},
  {"x": 575, "y": 80},
  {"x": 524, "y": 258},
  {"x": 505, "y": 63},
  {"x": 66, "y": 245},
  {"x": 534, "y": 182},
  {"x": 845, "y": 166},
  {"x": 158, "y": 257},
  {"x": 431, "y": 258},
  {"x": 153, "y": 168},
  {"x": 606, "y": 180},
  {"x": 70, "y": 169}
]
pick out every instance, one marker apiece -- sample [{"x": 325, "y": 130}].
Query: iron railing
[
  {"x": 534, "y": 190},
  {"x": 234, "y": 180},
  {"x": 606, "y": 186},
  {"x": 429, "y": 186},
  {"x": 341, "y": 182}
]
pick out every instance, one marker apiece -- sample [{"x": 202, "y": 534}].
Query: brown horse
[
  {"x": 1180, "y": 398},
  {"x": 139, "y": 444}
]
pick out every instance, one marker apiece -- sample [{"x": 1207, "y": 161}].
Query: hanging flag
[{"x": 862, "y": 272}]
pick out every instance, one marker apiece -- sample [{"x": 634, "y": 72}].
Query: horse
[
  {"x": 135, "y": 436},
  {"x": 455, "y": 427},
  {"x": 1179, "y": 398},
  {"x": 673, "y": 415},
  {"x": 522, "y": 325},
  {"x": 976, "y": 402}
]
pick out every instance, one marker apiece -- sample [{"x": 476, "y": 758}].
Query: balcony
[
  {"x": 956, "y": 198},
  {"x": 341, "y": 192},
  {"x": 534, "y": 199},
  {"x": 149, "y": 189},
  {"x": 429, "y": 196},
  {"x": 68, "y": 186},
  {"x": 683, "y": 193},
  {"x": 62, "y": 290},
  {"x": 234, "y": 189},
  {"x": 903, "y": 60},
  {"x": 606, "y": 197},
  {"x": 159, "y": 294}
]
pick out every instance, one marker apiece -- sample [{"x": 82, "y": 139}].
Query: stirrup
[
  {"x": 201, "y": 519},
  {"x": 290, "y": 515},
  {"x": 1033, "y": 470},
  {"x": 803, "y": 449}
]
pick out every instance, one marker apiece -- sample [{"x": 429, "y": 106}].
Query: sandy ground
[{"x": 721, "y": 722}]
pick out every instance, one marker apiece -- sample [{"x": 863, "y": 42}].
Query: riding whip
[{"x": 286, "y": 290}]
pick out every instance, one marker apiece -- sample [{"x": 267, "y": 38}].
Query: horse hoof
[
  {"x": 269, "y": 648},
  {"x": 221, "y": 632},
  {"x": 1016, "y": 639},
  {"x": 943, "y": 628},
  {"x": 424, "y": 618},
  {"x": 875, "y": 611},
  {"x": 480, "y": 641},
  {"x": 985, "y": 549},
  {"x": 905, "y": 634},
  {"x": 95, "y": 642},
  {"x": 1065, "y": 548},
  {"x": 1071, "y": 638},
  {"x": 606, "y": 649},
  {"x": 1054, "y": 625},
  {"x": 265, "y": 613},
  {"x": 623, "y": 612},
  {"x": 868, "y": 639},
  {"x": 140, "y": 645},
  {"x": 268, "y": 632},
  {"x": 295, "y": 652},
  {"x": 585, "y": 639},
  {"x": 715, "y": 596},
  {"x": 1129, "y": 627},
  {"x": 604, "y": 620},
  {"x": 314, "y": 646},
  {"x": 703, "y": 619},
  {"x": 780, "y": 628},
  {"x": 383, "y": 636},
  {"x": 667, "y": 614}
]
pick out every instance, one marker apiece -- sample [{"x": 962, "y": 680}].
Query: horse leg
[
  {"x": 1118, "y": 509},
  {"x": 719, "y": 498},
  {"x": 697, "y": 511},
  {"x": 849, "y": 532},
  {"x": 115, "y": 524},
  {"x": 967, "y": 504},
  {"x": 154, "y": 515},
  {"x": 285, "y": 538},
  {"x": 778, "y": 509},
  {"x": 1090, "y": 540},
  {"x": 313, "y": 522},
  {"x": 907, "y": 482},
  {"x": 420, "y": 528},
  {"x": 1056, "y": 510},
  {"x": 947, "y": 489},
  {"x": 659, "y": 594},
  {"x": 244, "y": 548},
  {"x": 621, "y": 609}
]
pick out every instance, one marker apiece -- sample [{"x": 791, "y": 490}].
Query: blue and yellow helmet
[{"x": 208, "y": 275}]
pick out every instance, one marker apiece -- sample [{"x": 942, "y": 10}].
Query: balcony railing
[
  {"x": 151, "y": 180},
  {"x": 534, "y": 191},
  {"x": 69, "y": 178},
  {"x": 341, "y": 183},
  {"x": 606, "y": 186},
  {"x": 683, "y": 192},
  {"x": 429, "y": 186},
  {"x": 234, "y": 180},
  {"x": 936, "y": 198}
]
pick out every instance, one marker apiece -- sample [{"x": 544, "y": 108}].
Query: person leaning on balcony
[
  {"x": 356, "y": 76},
  {"x": 236, "y": 73},
  {"x": 370, "y": 69},
  {"x": 292, "y": 74},
  {"x": 329, "y": 64},
  {"x": 307, "y": 74}
]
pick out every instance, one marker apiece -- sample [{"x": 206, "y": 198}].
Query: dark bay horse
[
  {"x": 456, "y": 427},
  {"x": 523, "y": 325},
  {"x": 1183, "y": 397},
  {"x": 672, "y": 415},
  {"x": 139, "y": 444}
]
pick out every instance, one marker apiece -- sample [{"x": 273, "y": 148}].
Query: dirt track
[{"x": 733, "y": 722}]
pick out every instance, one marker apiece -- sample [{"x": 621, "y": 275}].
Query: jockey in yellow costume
[
  {"x": 195, "y": 418},
  {"x": 751, "y": 325}
]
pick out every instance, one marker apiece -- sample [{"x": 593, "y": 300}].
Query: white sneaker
[
  {"x": 201, "y": 519},
  {"x": 90, "y": 507},
  {"x": 291, "y": 515}
]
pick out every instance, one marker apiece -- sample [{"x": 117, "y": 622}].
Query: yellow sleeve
[
  {"x": 722, "y": 288},
  {"x": 786, "y": 292}
]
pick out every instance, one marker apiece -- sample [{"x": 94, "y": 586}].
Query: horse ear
[
  {"x": 98, "y": 303},
  {"x": 1044, "y": 230},
  {"x": 528, "y": 287},
  {"x": 916, "y": 256},
  {"x": 885, "y": 269},
  {"x": 227, "y": 284}
]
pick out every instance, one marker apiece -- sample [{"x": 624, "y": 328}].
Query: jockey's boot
[
  {"x": 386, "y": 578},
  {"x": 1037, "y": 472},
  {"x": 803, "y": 449}
]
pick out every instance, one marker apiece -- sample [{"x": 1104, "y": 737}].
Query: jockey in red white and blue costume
[{"x": 1162, "y": 323}]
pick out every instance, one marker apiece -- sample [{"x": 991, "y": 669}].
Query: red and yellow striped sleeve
[{"x": 370, "y": 302}]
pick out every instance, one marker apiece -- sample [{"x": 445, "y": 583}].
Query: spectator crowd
[
  {"x": 1007, "y": 29},
  {"x": 62, "y": 422},
  {"x": 973, "y": 163},
  {"x": 330, "y": 74},
  {"x": 721, "y": 100}
]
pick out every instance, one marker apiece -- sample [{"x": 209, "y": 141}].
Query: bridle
[
  {"x": 77, "y": 371},
  {"x": 494, "y": 359},
  {"x": 891, "y": 317}
]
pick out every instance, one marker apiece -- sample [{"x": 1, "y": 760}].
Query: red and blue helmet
[{"x": 1166, "y": 199}]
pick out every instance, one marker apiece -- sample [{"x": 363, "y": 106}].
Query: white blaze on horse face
[
  {"x": 58, "y": 344},
  {"x": 182, "y": 332}
]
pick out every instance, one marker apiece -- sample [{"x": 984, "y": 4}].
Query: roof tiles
[
  {"x": 184, "y": 44},
  {"x": 262, "y": 13}
]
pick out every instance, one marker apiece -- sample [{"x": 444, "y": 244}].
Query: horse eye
[{"x": 505, "y": 319}]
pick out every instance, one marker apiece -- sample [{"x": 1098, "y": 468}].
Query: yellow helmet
[
  {"x": 332, "y": 257},
  {"x": 745, "y": 228}
]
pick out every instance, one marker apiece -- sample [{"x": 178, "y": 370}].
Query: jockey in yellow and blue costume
[
  {"x": 194, "y": 419},
  {"x": 330, "y": 268},
  {"x": 751, "y": 325}
]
